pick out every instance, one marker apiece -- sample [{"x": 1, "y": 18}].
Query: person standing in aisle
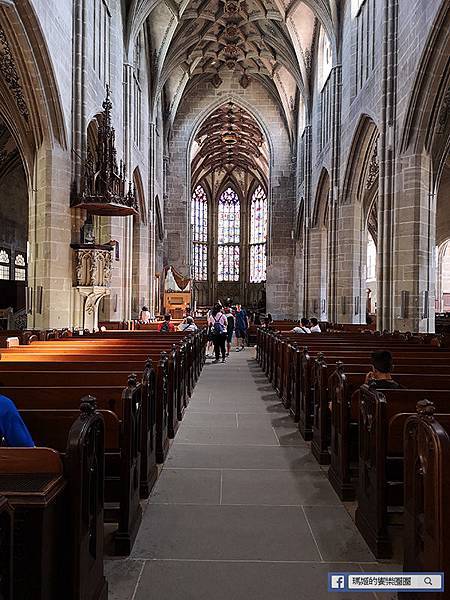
[
  {"x": 218, "y": 323},
  {"x": 240, "y": 327},
  {"x": 230, "y": 327}
]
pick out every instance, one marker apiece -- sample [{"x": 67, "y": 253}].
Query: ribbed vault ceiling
[
  {"x": 229, "y": 140},
  {"x": 266, "y": 40}
]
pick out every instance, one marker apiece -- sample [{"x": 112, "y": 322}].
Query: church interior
[{"x": 187, "y": 188}]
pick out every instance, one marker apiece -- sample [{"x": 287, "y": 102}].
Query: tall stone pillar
[
  {"x": 388, "y": 147},
  {"x": 50, "y": 265}
]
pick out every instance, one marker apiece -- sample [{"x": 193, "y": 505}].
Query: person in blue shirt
[
  {"x": 13, "y": 431},
  {"x": 240, "y": 327}
]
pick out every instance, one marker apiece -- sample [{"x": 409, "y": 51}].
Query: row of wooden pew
[
  {"x": 92, "y": 463},
  {"x": 385, "y": 448}
]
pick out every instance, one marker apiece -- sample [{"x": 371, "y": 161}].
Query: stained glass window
[
  {"x": 199, "y": 228},
  {"x": 229, "y": 235},
  {"x": 20, "y": 268},
  {"x": 4, "y": 264},
  {"x": 258, "y": 236}
]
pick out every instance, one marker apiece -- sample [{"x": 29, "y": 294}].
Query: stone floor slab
[
  {"x": 191, "y": 486},
  {"x": 242, "y": 436},
  {"x": 225, "y": 533},
  {"x": 122, "y": 576},
  {"x": 168, "y": 580},
  {"x": 336, "y": 534},
  {"x": 277, "y": 488},
  {"x": 232, "y": 457}
]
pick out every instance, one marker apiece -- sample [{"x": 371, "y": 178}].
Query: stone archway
[{"x": 29, "y": 105}]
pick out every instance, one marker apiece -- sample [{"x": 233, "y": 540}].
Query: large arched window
[
  {"x": 229, "y": 235},
  {"x": 199, "y": 225},
  {"x": 258, "y": 236}
]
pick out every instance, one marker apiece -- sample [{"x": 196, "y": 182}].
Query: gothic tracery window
[
  {"x": 4, "y": 264},
  {"x": 20, "y": 268},
  {"x": 199, "y": 225},
  {"x": 258, "y": 236},
  {"x": 229, "y": 235}
]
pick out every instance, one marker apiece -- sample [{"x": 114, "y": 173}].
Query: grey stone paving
[{"x": 241, "y": 511}]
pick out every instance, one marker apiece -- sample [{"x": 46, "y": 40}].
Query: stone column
[
  {"x": 50, "y": 262},
  {"x": 332, "y": 309},
  {"x": 388, "y": 143},
  {"x": 414, "y": 217}
]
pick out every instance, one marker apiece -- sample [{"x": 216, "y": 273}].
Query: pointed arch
[
  {"x": 199, "y": 232},
  {"x": 159, "y": 226},
  {"x": 321, "y": 202},
  {"x": 427, "y": 122},
  {"x": 258, "y": 235},
  {"x": 140, "y": 195},
  {"x": 361, "y": 151},
  {"x": 229, "y": 233},
  {"x": 19, "y": 22}
]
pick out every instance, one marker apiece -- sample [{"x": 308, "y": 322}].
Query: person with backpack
[
  {"x": 230, "y": 327},
  {"x": 166, "y": 326},
  {"x": 218, "y": 324}
]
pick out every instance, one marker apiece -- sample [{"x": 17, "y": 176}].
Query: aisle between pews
[{"x": 241, "y": 510}]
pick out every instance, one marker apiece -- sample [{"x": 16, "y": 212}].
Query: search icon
[{"x": 427, "y": 581}]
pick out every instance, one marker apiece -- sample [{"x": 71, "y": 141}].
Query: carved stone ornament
[
  {"x": 443, "y": 113},
  {"x": 10, "y": 76},
  {"x": 104, "y": 190},
  {"x": 93, "y": 266},
  {"x": 374, "y": 168},
  {"x": 216, "y": 81}
]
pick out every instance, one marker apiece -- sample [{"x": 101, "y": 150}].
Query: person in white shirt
[
  {"x": 303, "y": 328},
  {"x": 315, "y": 328},
  {"x": 144, "y": 317},
  {"x": 188, "y": 325}
]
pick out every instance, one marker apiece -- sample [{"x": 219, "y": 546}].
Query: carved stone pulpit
[{"x": 92, "y": 279}]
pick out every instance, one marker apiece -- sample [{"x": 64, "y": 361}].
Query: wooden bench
[
  {"x": 57, "y": 496},
  {"x": 319, "y": 398},
  {"x": 382, "y": 417},
  {"x": 6, "y": 550},
  {"x": 343, "y": 471},
  {"x": 427, "y": 491},
  {"x": 122, "y": 411}
]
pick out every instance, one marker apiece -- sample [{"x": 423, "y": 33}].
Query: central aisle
[{"x": 241, "y": 511}]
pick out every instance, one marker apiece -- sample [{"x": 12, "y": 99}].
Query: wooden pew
[
  {"x": 427, "y": 492},
  {"x": 109, "y": 362},
  {"x": 57, "y": 496},
  {"x": 343, "y": 470},
  {"x": 320, "y": 374},
  {"x": 382, "y": 417},
  {"x": 122, "y": 412},
  {"x": 109, "y": 386},
  {"x": 6, "y": 550},
  {"x": 301, "y": 401}
]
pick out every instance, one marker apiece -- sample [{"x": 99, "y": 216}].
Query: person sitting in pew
[
  {"x": 380, "y": 375},
  {"x": 303, "y": 327},
  {"x": 13, "y": 431},
  {"x": 144, "y": 317},
  {"x": 188, "y": 325},
  {"x": 315, "y": 327},
  {"x": 166, "y": 326}
]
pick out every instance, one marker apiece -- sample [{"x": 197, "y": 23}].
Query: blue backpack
[{"x": 218, "y": 327}]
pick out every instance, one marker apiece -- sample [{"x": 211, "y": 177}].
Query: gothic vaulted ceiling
[
  {"x": 266, "y": 40},
  {"x": 229, "y": 142}
]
